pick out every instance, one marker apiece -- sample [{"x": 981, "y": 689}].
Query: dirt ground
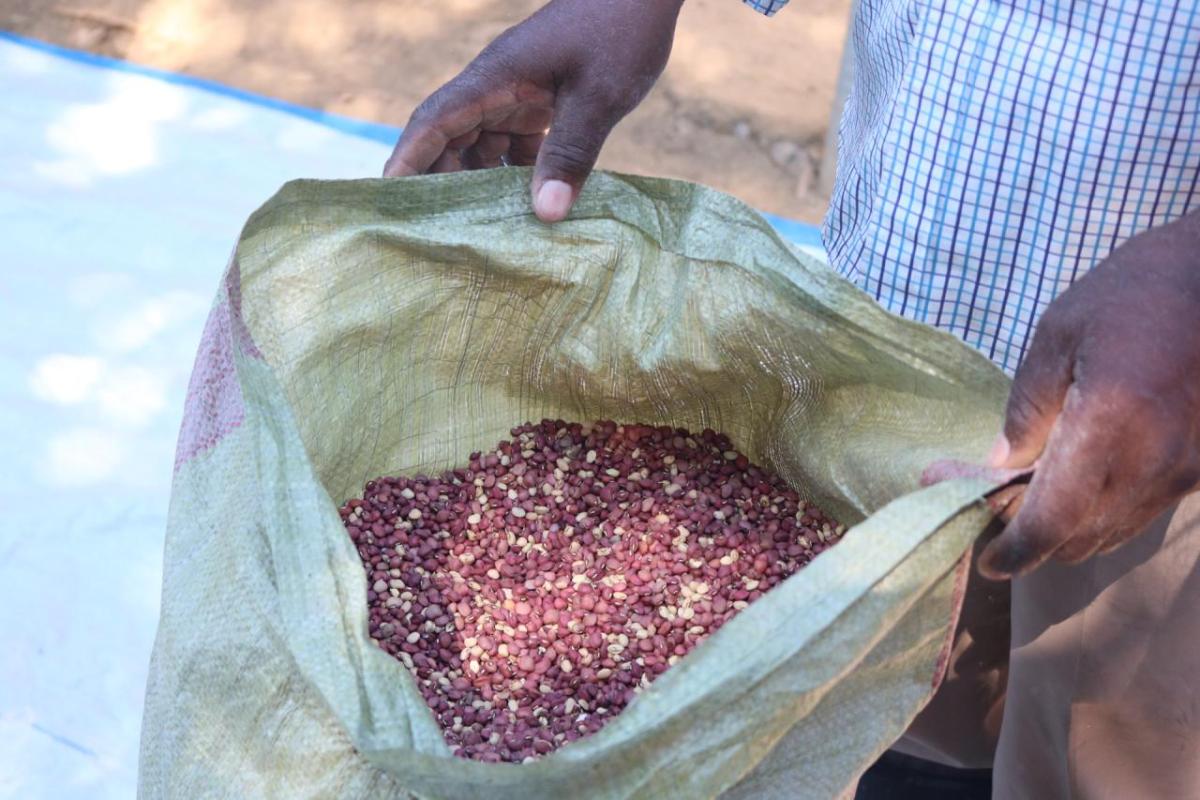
[{"x": 744, "y": 105}]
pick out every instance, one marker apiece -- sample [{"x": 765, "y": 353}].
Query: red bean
[{"x": 530, "y": 603}]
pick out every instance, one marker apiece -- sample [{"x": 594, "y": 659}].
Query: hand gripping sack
[{"x": 392, "y": 327}]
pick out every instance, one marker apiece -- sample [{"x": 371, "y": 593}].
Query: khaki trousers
[{"x": 1096, "y": 694}]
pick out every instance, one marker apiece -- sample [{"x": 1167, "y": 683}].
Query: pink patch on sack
[{"x": 214, "y": 404}]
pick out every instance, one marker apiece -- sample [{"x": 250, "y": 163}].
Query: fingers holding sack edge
[
  {"x": 445, "y": 134},
  {"x": 450, "y": 119},
  {"x": 1073, "y": 501},
  {"x": 582, "y": 122},
  {"x": 1032, "y": 414},
  {"x": 428, "y": 136},
  {"x": 1037, "y": 396}
]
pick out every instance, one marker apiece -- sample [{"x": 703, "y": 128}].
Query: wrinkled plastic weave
[{"x": 392, "y": 327}]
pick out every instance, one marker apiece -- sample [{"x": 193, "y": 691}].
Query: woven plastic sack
[{"x": 392, "y": 327}]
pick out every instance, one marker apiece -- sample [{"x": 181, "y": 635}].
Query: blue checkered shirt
[{"x": 992, "y": 151}]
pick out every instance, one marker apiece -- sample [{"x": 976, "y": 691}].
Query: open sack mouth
[
  {"x": 398, "y": 327},
  {"x": 539, "y": 588}
]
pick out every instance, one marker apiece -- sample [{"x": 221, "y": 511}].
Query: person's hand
[
  {"x": 1107, "y": 403},
  {"x": 574, "y": 68}
]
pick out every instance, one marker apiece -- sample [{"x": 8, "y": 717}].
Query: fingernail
[
  {"x": 998, "y": 456},
  {"x": 999, "y": 560},
  {"x": 553, "y": 201},
  {"x": 1009, "y": 563}
]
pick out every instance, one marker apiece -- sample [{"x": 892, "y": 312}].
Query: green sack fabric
[{"x": 392, "y": 327}]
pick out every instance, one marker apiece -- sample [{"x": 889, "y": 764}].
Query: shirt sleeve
[{"x": 767, "y": 7}]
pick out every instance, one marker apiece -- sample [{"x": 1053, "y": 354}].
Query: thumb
[
  {"x": 577, "y": 132},
  {"x": 1035, "y": 400}
]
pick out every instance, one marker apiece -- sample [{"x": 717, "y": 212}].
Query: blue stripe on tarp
[
  {"x": 799, "y": 232},
  {"x": 368, "y": 130}
]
